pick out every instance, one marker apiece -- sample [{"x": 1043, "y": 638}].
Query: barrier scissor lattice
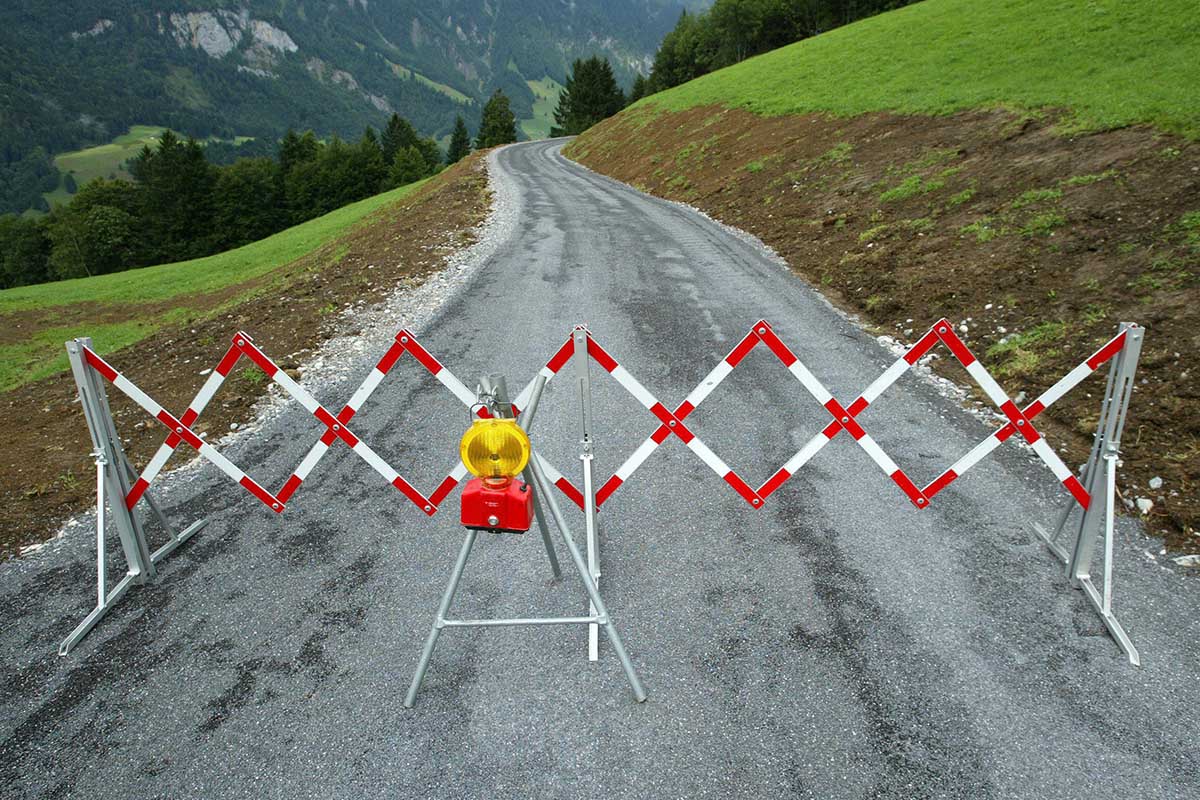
[{"x": 1120, "y": 351}]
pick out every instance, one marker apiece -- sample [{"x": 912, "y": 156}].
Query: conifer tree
[
  {"x": 398, "y": 135},
  {"x": 409, "y": 166},
  {"x": 639, "y": 89},
  {"x": 589, "y": 95},
  {"x": 498, "y": 125},
  {"x": 460, "y": 142}
]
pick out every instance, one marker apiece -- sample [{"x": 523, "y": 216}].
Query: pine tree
[
  {"x": 589, "y": 95},
  {"x": 294, "y": 149},
  {"x": 398, "y": 135},
  {"x": 460, "y": 142},
  {"x": 498, "y": 125},
  {"x": 409, "y": 166},
  {"x": 639, "y": 89}
]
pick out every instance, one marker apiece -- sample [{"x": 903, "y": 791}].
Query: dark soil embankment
[
  {"x": 44, "y": 442},
  {"x": 1037, "y": 242}
]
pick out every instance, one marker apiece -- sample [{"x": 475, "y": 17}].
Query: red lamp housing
[{"x": 497, "y": 504}]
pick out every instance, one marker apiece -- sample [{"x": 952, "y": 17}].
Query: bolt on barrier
[{"x": 1092, "y": 492}]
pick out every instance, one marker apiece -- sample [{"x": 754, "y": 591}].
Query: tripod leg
[
  {"x": 438, "y": 622},
  {"x": 614, "y": 638}
]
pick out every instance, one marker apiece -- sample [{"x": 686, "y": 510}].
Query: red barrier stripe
[
  {"x": 1017, "y": 418},
  {"x": 289, "y": 488},
  {"x": 259, "y": 358},
  {"x": 1033, "y": 409},
  {"x": 100, "y": 365},
  {"x": 412, "y": 494},
  {"x": 389, "y": 359},
  {"x": 227, "y": 361},
  {"x": 857, "y": 406},
  {"x": 602, "y": 358},
  {"x": 139, "y": 488},
  {"x": 844, "y": 419},
  {"x": 570, "y": 491},
  {"x": 443, "y": 489},
  {"x": 192, "y": 439},
  {"x": 909, "y": 488},
  {"x": 831, "y": 430},
  {"x": 1108, "y": 351},
  {"x": 743, "y": 349},
  {"x": 1077, "y": 491},
  {"x": 684, "y": 409},
  {"x": 741, "y": 487},
  {"x": 188, "y": 418},
  {"x": 610, "y": 486},
  {"x": 269, "y": 500},
  {"x": 342, "y": 432},
  {"x": 1005, "y": 433},
  {"x": 941, "y": 482},
  {"x": 346, "y": 414},
  {"x": 774, "y": 482},
  {"x": 562, "y": 356},
  {"x": 679, "y": 429},
  {"x": 923, "y": 345},
  {"x": 421, "y": 354},
  {"x": 950, "y": 338},
  {"x": 660, "y": 435},
  {"x": 780, "y": 349}
]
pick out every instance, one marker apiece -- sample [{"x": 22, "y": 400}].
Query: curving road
[{"x": 835, "y": 643}]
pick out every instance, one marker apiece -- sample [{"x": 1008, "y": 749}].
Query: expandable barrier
[{"x": 1093, "y": 492}]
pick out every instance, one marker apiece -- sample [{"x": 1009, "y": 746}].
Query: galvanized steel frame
[
  {"x": 114, "y": 480},
  {"x": 1075, "y": 545}
]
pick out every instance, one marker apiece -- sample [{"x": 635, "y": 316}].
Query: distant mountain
[{"x": 82, "y": 72}]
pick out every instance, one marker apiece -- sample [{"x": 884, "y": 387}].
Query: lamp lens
[{"x": 495, "y": 448}]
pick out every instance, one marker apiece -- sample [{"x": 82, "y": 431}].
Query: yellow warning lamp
[{"x": 494, "y": 448}]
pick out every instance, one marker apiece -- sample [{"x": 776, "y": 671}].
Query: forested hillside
[{"x": 82, "y": 73}]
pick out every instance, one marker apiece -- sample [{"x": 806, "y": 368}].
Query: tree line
[
  {"x": 733, "y": 30},
  {"x": 179, "y": 205}
]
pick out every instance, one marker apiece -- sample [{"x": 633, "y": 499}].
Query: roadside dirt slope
[
  {"x": 44, "y": 442},
  {"x": 1038, "y": 243}
]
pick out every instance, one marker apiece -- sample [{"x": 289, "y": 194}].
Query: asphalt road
[{"x": 835, "y": 643}]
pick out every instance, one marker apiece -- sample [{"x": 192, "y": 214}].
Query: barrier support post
[
  {"x": 535, "y": 398},
  {"x": 1099, "y": 478},
  {"x": 494, "y": 390},
  {"x": 586, "y": 455},
  {"x": 113, "y": 481}
]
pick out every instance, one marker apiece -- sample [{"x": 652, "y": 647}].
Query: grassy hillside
[
  {"x": 102, "y": 161},
  {"x": 108, "y": 160},
  {"x": 125, "y": 307},
  {"x": 1028, "y": 169},
  {"x": 1111, "y": 62},
  {"x": 545, "y": 94},
  {"x": 167, "y": 326}
]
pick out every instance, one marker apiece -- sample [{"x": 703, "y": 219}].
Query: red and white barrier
[{"x": 844, "y": 417}]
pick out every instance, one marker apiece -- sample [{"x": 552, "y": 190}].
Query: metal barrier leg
[
  {"x": 177, "y": 537},
  {"x": 587, "y": 443},
  {"x": 104, "y": 598},
  {"x": 614, "y": 638},
  {"x": 1099, "y": 478},
  {"x": 535, "y": 399},
  {"x": 439, "y": 621},
  {"x": 114, "y": 475}
]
